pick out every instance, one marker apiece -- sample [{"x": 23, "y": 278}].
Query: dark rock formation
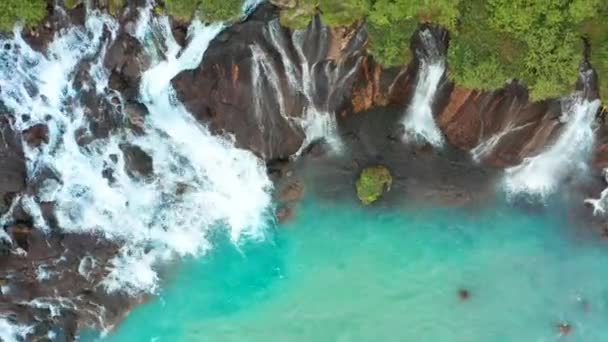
[
  {"x": 472, "y": 117},
  {"x": 252, "y": 78},
  {"x": 52, "y": 283},
  {"x": 137, "y": 162},
  {"x": 13, "y": 172},
  {"x": 36, "y": 135}
]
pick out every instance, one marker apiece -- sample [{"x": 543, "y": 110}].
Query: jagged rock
[
  {"x": 57, "y": 18},
  {"x": 137, "y": 162},
  {"x": 225, "y": 91},
  {"x": 50, "y": 270},
  {"x": 136, "y": 114},
  {"x": 292, "y": 191},
  {"x": 36, "y": 135},
  {"x": 126, "y": 60},
  {"x": 472, "y": 117},
  {"x": 12, "y": 159}
]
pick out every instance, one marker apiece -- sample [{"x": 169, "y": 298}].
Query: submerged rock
[
  {"x": 564, "y": 328},
  {"x": 285, "y": 213},
  {"x": 372, "y": 183},
  {"x": 292, "y": 191},
  {"x": 464, "y": 294}
]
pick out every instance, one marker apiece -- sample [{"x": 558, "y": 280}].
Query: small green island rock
[{"x": 372, "y": 183}]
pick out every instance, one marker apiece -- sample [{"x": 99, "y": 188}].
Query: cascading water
[
  {"x": 487, "y": 146},
  {"x": 197, "y": 180},
  {"x": 10, "y": 332},
  {"x": 317, "y": 121},
  {"x": 419, "y": 122},
  {"x": 539, "y": 176}
]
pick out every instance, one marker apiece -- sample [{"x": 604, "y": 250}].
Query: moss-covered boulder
[{"x": 372, "y": 183}]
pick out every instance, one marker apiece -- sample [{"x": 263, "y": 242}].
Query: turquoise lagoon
[{"x": 341, "y": 272}]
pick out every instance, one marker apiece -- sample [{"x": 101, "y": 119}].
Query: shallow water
[{"x": 342, "y": 273}]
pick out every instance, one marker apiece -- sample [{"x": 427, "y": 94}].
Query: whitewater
[
  {"x": 197, "y": 181},
  {"x": 418, "y": 121}
]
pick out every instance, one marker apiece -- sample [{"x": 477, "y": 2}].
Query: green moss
[
  {"x": 343, "y": 13},
  {"x": 595, "y": 31},
  {"x": 115, "y": 6},
  {"x": 159, "y": 10},
  {"x": 30, "y": 12},
  {"x": 372, "y": 183},
  {"x": 298, "y": 17},
  {"x": 209, "y": 10},
  {"x": 390, "y": 43},
  {"x": 71, "y": 4}
]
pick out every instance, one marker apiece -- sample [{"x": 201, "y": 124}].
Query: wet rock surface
[
  {"x": 12, "y": 159},
  {"x": 250, "y": 83},
  {"x": 51, "y": 282}
]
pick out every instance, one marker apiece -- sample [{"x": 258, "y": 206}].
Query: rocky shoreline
[{"x": 255, "y": 84}]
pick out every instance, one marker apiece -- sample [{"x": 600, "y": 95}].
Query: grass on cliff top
[
  {"x": 30, "y": 12},
  {"x": 372, "y": 183},
  {"x": 208, "y": 10}
]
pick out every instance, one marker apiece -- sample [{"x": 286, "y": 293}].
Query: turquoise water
[{"x": 342, "y": 273}]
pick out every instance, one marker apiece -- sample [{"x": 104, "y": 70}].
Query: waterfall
[
  {"x": 317, "y": 120},
  {"x": 486, "y": 147},
  {"x": 419, "y": 122},
  {"x": 10, "y": 332},
  {"x": 197, "y": 181},
  {"x": 539, "y": 176}
]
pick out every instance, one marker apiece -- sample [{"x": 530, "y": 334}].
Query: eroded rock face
[
  {"x": 257, "y": 79},
  {"x": 510, "y": 126},
  {"x": 13, "y": 171},
  {"x": 51, "y": 282}
]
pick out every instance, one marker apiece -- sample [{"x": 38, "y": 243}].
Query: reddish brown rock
[
  {"x": 36, "y": 135},
  {"x": 225, "y": 90},
  {"x": 519, "y": 127},
  {"x": 285, "y": 214},
  {"x": 292, "y": 191},
  {"x": 376, "y": 86}
]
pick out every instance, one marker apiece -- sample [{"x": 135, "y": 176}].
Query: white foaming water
[
  {"x": 198, "y": 180},
  {"x": 540, "y": 176},
  {"x": 11, "y": 332},
  {"x": 317, "y": 123},
  {"x": 600, "y": 205},
  {"x": 419, "y": 122},
  {"x": 250, "y": 5}
]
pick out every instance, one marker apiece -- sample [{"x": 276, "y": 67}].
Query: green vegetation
[
  {"x": 538, "y": 42},
  {"x": 209, "y": 10},
  {"x": 115, "y": 6},
  {"x": 372, "y": 183},
  {"x": 595, "y": 30},
  {"x": 30, "y": 12},
  {"x": 71, "y": 4}
]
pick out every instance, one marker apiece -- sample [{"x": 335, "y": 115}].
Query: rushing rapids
[{"x": 159, "y": 191}]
